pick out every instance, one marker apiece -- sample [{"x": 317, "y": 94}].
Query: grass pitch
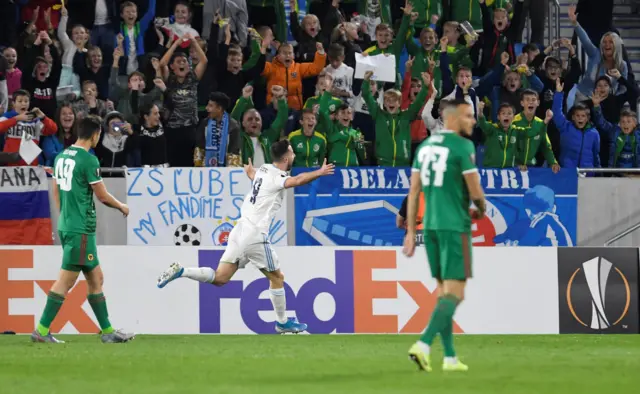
[{"x": 304, "y": 364}]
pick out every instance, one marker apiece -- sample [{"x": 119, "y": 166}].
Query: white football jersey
[{"x": 265, "y": 198}]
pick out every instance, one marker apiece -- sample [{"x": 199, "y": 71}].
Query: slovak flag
[{"x": 25, "y": 218}]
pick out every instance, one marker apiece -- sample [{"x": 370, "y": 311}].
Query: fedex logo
[
  {"x": 22, "y": 319},
  {"x": 365, "y": 300}
]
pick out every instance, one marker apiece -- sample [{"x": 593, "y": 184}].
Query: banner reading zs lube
[
  {"x": 189, "y": 206},
  {"x": 358, "y": 206}
]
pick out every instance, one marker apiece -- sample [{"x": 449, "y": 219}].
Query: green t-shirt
[
  {"x": 442, "y": 160},
  {"x": 75, "y": 170}
]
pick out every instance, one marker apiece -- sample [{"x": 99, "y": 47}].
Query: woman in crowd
[
  {"x": 152, "y": 139},
  {"x": 602, "y": 61},
  {"x": 181, "y": 100},
  {"x": 66, "y": 136}
]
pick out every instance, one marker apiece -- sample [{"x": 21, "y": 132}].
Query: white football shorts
[{"x": 246, "y": 244}]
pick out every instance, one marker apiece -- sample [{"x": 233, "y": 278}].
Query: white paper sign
[
  {"x": 29, "y": 150},
  {"x": 189, "y": 206},
  {"x": 383, "y": 67}
]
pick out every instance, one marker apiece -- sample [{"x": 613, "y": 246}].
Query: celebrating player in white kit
[{"x": 248, "y": 241}]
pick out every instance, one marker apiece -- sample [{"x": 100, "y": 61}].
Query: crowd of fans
[{"x": 215, "y": 83}]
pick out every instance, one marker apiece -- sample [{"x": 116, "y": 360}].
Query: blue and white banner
[
  {"x": 358, "y": 206},
  {"x": 189, "y": 206}
]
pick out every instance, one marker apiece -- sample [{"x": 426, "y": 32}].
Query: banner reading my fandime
[{"x": 189, "y": 206}]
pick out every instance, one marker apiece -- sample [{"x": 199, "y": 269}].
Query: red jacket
[
  {"x": 418, "y": 129},
  {"x": 14, "y": 130},
  {"x": 27, "y": 12}
]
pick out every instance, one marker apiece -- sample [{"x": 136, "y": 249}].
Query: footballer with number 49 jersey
[
  {"x": 76, "y": 178},
  {"x": 75, "y": 171}
]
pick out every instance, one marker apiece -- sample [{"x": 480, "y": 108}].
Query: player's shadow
[{"x": 347, "y": 377}]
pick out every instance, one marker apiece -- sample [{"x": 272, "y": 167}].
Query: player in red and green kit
[
  {"x": 444, "y": 170},
  {"x": 76, "y": 178}
]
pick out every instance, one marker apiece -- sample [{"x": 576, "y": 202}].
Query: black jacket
[
  {"x": 494, "y": 39},
  {"x": 101, "y": 78},
  {"x": 43, "y": 94},
  {"x": 153, "y": 145},
  {"x": 83, "y": 12}
]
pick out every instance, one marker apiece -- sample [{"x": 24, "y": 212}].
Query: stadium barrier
[{"x": 335, "y": 290}]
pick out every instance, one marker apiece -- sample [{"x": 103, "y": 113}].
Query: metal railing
[
  {"x": 555, "y": 6},
  {"x": 631, "y": 229}
]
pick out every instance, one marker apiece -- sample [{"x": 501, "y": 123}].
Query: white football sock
[
  {"x": 451, "y": 360},
  {"x": 424, "y": 347},
  {"x": 203, "y": 274},
  {"x": 279, "y": 302}
]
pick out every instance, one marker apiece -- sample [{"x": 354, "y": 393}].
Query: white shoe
[{"x": 174, "y": 271}]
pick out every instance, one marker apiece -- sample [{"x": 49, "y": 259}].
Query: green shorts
[
  {"x": 449, "y": 254},
  {"x": 79, "y": 251}
]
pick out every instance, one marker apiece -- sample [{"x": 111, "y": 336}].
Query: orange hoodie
[{"x": 291, "y": 78}]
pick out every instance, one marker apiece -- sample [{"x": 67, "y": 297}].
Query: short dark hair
[
  {"x": 530, "y": 48},
  {"x": 221, "y": 99},
  {"x": 307, "y": 111},
  {"x": 627, "y": 113},
  {"x": 463, "y": 68},
  {"x": 578, "y": 107},
  {"x": 279, "y": 149},
  {"x": 127, "y": 4},
  {"x": 604, "y": 78},
  {"x": 343, "y": 107},
  {"x": 88, "y": 127},
  {"x": 528, "y": 92},
  {"x": 178, "y": 54},
  {"x": 185, "y": 3},
  {"x": 19, "y": 93},
  {"x": 134, "y": 74},
  {"x": 506, "y": 105},
  {"x": 335, "y": 51}
]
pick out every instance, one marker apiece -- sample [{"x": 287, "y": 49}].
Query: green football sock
[
  {"x": 99, "y": 305},
  {"x": 51, "y": 309},
  {"x": 446, "y": 334},
  {"x": 436, "y": 322}
]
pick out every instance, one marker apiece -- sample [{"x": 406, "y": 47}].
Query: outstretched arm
[{"x": 308, "y": 177}]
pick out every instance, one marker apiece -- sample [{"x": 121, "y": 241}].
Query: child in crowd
[
  {"x": 77, "y": 43},
  {"x": 392, "y": 126},
  {"x": 13, "y": 73},
  {"x": 66, "y": 136},
  {"x": 89, "y": 66},
  {"x": 501, "y": 139},
  {"x": 385, "y": 42},
  {"x": 130, "y": 97},
  {"x": 345, "y": 143},
  {"x": 43, "y": 77},
  {"x": 579, "y": 140},
  {"x": 309, "y": 145},
  {"x": 458, "y": 52},
  {"x": 499, "y": 34},
  {"x": 325, "y": 83},
  {"x": 536, "y": 139},
  {"x": 624, "y": 146},
  {"x": 411, "y": 87},
  {"x": 341, "y": 73},
  {"x": 427, "y": 56},
  {"x": 284, "y": 71},
  {"x": 21, "y": 121},
  {"x": 89, "y": 103},
  {"x": 181, "y": 25},
  {"x": 133, "y": 33}
]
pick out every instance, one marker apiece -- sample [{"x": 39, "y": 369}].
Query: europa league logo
[{"x": 596, "y": 272}]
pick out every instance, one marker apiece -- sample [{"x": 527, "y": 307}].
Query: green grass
[{"x": 304, "y": 364}]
